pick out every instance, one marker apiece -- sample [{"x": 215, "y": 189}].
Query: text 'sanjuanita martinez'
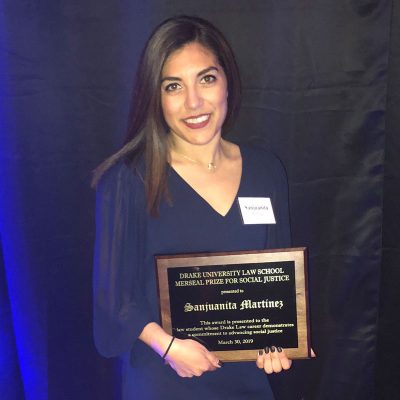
[{"x": 229, "y": 305}]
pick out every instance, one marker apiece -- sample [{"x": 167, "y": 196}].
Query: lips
[{"x": 200, "y": 121}]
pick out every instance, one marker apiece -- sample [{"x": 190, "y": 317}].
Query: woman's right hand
[
  {"x": 190, "y": 358},
  {"x": 187, "y": 357}
]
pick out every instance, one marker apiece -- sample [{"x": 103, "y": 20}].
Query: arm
[
  {"x": 119, "y": 305},
  {"x": 279, "y": 235},
  {"x": 273, "y": 359},
  {"x": 121, "y": 313}
]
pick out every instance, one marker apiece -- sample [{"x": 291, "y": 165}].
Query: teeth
[{"x": 197, "y": 120}]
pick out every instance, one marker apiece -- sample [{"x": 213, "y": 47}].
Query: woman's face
[{"x": 194, "y": 94}]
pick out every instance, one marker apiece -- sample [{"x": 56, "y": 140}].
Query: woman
[{"x": 172, "y": 189}]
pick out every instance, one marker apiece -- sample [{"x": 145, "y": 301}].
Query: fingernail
[
  {"x": 279, "y": 349},
  {"x": 220, "y": 363},
  {"x": 260, "y": 352},
  {"x": 266, "y": 350},
  {"x": 273, "y": 349}
]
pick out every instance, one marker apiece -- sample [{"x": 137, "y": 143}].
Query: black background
[{"x": 321, "y": 88}]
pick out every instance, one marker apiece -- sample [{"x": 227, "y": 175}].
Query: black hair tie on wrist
[{"x": 169, "y": 346}]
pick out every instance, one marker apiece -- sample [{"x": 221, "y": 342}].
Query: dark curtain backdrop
[
  {"x": 388, "y": 377},
  {"x": 321, "y": 88}
]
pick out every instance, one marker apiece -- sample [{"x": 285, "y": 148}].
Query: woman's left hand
[{"x": 273, "y": 359}]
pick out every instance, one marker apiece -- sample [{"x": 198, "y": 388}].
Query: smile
[{"x": 197, "y": 122}]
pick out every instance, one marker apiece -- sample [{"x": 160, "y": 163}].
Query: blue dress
[{"x": 125, "y": 297}]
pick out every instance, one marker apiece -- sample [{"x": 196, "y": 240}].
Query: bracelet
[{"x": 169, "y": 346}]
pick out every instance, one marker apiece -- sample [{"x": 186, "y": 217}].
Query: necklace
[{"x": 211, "y": 166}]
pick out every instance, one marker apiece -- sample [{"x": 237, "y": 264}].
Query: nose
[{"x": 193, "y": 98}]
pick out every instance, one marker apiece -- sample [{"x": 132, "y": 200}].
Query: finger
[
  {"x": 184, "y": 374},
  {"x": 276, "y": 362},
  {"x": 313, "y": 354},
  {"x": 285, "y": 361},
  {"x": 260, "y": 359},
  {"x": 267, "y": 361},
  {"x": 212, "y": 367},
  {"x": 181, "y": 370},
  {"x": 213, "y": 361}
]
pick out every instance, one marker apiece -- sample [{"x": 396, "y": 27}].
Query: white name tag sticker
[{"x": 256, "y": 210}]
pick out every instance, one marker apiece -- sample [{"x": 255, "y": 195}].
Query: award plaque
[{"x": 237, "y": 303}]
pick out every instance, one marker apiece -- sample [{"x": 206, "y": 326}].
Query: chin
[
  {"x": 201, "y": 140},
  {"x": 204, "y": 137}
]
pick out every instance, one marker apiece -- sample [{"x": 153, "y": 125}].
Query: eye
[
  {"x": 172, "y": 87},
  {"x": 208, "y": 79}
]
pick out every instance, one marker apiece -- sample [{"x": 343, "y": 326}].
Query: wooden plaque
[{"x": 237, "y": 303}]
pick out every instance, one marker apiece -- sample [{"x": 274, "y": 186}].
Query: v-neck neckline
[{"x": 203, "y": 200}]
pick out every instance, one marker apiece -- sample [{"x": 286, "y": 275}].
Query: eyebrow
[{"x": 202, "y": 72}]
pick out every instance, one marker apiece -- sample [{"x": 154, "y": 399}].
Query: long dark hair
[{"x": 147, "y": 129}]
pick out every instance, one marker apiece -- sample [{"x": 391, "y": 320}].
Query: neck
[{"x": 210, "y": 153}]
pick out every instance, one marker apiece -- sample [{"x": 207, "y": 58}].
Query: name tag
[{"x": 256, "y": 210}]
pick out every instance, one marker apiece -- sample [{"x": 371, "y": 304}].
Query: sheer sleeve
[
  {"x": 120, "y": 308},
  {"x": 279, "y": 233}
]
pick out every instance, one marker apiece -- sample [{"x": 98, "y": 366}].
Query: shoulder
[
  {"x": 263, "y": 159},
  {"x": 118, "y": 179}
]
